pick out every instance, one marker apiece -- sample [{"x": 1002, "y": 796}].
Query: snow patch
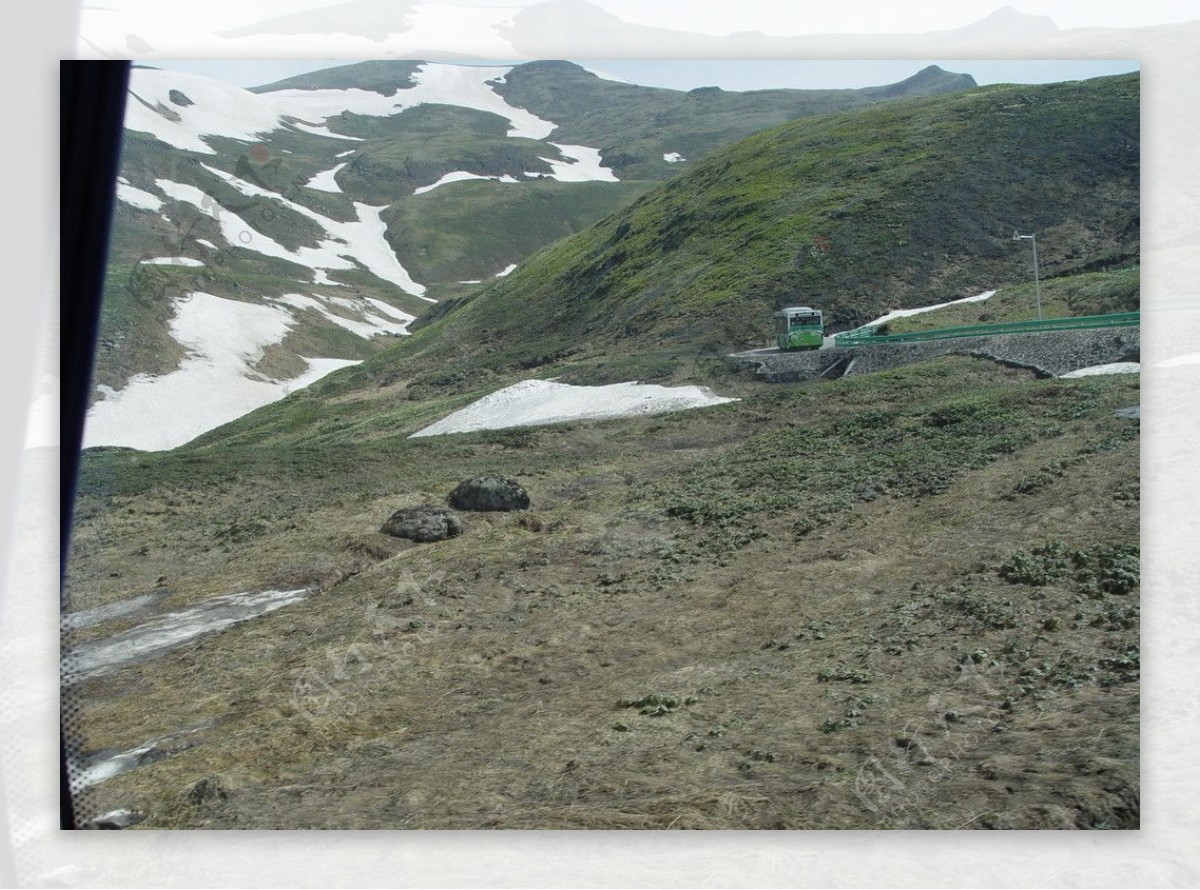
[
  {"x": 388, "y": 309},
  {"x": 106, "y": 766},
  {"x": 324, "y": 181},
  {"x": 673, "y": 157},
  {"x": 1112, "y": 368},
  {"x": 172, "y": 261},
  {"x": 225, "y": 339},
  {"x": 904, "y": 313},
  {"x": 507, "y": 270},
  {"x": 217, "y": 109},
  {"x": 137, "y": 197},
  {"x": 221, "y": 109},
  {"x": 583, "y": 164},
  {"x": 368, "y": 245},
  {"x": 320, "y": 276},
  {"x": 460, "y": 176},
  {"x": 320, "y": 130},
  {"x": 468, "y": 86},
  {"x": 368, "y": 324},
  {"x": 233, "y": 228},
  {"x": 540, "y": 402},
  {"x": 362, "y": 239},
  {"x": 433, "y": 83},
  {"x": 342, "y": 154}
]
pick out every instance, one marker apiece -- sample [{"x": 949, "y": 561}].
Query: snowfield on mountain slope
[
  {"x": 211, "y": 386},
  {"x": 325, "y": 182},
  {"x": 191, "y": 262},
  {"x": 219, "y": 109},
  {"x": 583, "y": 164},
  {"x": 137, "y": 197},
  {"x": 362, "y": 239},
  {"x": 370, "y": 324},
  {"x": 541, "y": 402},
  {"x": 461, "y": 176}
]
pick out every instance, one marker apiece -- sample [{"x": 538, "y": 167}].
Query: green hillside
[
  {"x": 902, "y": 205},
  {"x": 634, "y": 126}
]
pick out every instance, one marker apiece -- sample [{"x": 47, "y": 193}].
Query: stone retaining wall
[{"x": 1047, "y": 353}]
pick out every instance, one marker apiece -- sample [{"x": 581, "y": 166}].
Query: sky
[
  {"x": 723, "y": 17},
  {"x": 728, "y": 74}
]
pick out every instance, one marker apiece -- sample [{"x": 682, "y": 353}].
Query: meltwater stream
[{"x": 96, "y": 658}]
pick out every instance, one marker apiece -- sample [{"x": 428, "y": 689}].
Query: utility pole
[{"x": 1037, "y": 282}]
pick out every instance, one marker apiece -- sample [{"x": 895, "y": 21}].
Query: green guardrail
[{"x": 868, "y": 335}]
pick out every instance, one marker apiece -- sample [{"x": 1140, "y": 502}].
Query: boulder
[
  {"x": 489, "y": 493},
  {"x": 423, "y": 524}
]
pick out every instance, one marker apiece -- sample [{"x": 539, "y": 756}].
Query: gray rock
[
  {"x": 423, "y": 524},
  {"x": 489, "y": 493}
]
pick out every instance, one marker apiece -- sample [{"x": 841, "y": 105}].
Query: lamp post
[{"x": 1037, "y": 283}]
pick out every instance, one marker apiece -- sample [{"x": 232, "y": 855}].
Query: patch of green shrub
[{"x": 1041, "y": 566}]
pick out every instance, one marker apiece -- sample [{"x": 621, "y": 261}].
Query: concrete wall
[{"x": 1048, "y": 353}]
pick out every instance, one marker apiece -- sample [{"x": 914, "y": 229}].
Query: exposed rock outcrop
[
  {"x": 423, "y": 524},
  {"x": 489, "y": 493}
]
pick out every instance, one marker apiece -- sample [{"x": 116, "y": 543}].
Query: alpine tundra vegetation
[{"x": 906, "y": 599}]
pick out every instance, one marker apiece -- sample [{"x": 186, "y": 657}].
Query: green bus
[{"x": 799, "y": 327}]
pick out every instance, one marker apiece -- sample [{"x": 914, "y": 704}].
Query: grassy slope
[
  {"x": 905, "y": 204},
  {"x": 635, "y": 126},
  {"x": 472, "y": 230},
  {"x": 938, "y": 558},
  {"x": 1089, "y": 293}
]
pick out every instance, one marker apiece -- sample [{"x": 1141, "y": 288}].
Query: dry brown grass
[{"x": 476, "y": 683}]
